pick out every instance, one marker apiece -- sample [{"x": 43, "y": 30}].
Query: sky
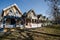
[{"x": 39, "y": 6}]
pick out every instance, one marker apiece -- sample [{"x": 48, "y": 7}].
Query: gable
[
  {"x": 31, "y": 13},
  {"x": 12, "y": 11}
]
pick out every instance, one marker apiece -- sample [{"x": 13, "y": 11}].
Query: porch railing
[
  {"x": 10, "y": 26},
  {"x": 33, "y": 25}
]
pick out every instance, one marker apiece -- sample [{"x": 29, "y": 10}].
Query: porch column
[
  {"x": 14, "y": 23},
  {"x": 31, "y": 20},
  {"x": 4, "y": 21},
  {"x": 25, "y": 22}
]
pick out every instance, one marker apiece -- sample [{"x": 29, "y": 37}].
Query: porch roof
[{"x": 12, "y": 17}]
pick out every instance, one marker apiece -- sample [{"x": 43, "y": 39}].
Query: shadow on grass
[{"x": 27, "y": 36}]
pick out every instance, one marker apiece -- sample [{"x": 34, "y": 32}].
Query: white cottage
[
  {"x": 31, "y": 20},
  {"x": 11, "y": 16}
]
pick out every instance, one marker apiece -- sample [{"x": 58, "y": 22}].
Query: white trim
[{"x": 12, "y": 6}]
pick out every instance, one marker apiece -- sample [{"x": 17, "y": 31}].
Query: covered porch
[
  {"x": 11, "y": 22},
  {"x": 32, "y": 23}
]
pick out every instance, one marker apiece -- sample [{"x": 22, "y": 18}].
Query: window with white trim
[
  {"x": 17, "y": 13},
  {"x": 11, "y": 12}
]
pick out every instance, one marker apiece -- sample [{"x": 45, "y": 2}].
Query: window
[
  {"x": 17, "y": 13},
  {"x": 11, "y": 12},
  {"x": 32, "y": 14}
]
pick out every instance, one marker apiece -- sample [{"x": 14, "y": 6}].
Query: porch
[
  {"x": 10, "y": 26},
  {"x": 11, "y": 22},
  {"x": 32, "y": 23}
]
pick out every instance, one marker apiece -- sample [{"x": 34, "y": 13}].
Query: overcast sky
[{"x": 39, "y": 6}]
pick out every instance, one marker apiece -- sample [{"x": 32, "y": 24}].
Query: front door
[{"x": 13, "y": 21}]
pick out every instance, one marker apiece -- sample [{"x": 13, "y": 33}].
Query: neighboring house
[
  {"x": 44, "y": 21},
  {"x": 11, "y": 16},
  {"x": 31, "y": 19}
]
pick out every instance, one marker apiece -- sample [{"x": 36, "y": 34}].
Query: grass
[
  {"x": 54, "y": 26},
  {"x": 48, "y": 30},
  {"x": 22, "y": 35}
]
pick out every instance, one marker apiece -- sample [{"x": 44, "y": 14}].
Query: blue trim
[
  {"x": 1, "y": 29},
  {"x": 12, "y": 17}
]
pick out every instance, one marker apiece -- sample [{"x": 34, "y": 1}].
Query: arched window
[{"x": 11, "y": 12}]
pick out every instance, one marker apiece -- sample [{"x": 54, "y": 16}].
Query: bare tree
[{"x": 55, "y": 10}]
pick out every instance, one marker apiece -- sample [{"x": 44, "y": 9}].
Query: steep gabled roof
[
  {"x": 14, "y": 5},
  {"x": 31, "y": 10},
  {"x": 25, "y": 13},
  {"x": 39, "y": 15}
]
